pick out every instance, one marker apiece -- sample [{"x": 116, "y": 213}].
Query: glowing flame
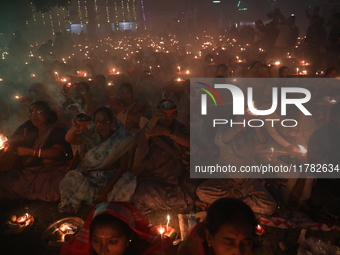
[
  {"x": 277, "y": 63},
  {"x": 161, "y": 230},
  {"x": 19, "y": 97},
  {"x": 302, "y": 149},
  {"x": 22, "y": 219},
  {"x": 3, "y": 139},
  {"x": 65, "y": 226}
]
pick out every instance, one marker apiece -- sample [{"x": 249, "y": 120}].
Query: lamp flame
[
  {"x": 3, "y": 139},
  {"x": 302, "y": 149},
  {"x": 161, "y": 230}
]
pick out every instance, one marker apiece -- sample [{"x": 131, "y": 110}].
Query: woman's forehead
[{"x": 102, "y": 115}]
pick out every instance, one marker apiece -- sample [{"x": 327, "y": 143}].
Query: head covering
[{"x": 81, "y": 244}]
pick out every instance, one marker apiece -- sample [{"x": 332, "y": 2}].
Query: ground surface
[{"x": 30, "y": 241}]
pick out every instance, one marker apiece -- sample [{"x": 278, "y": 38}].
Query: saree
[
  {"x": 164, "y": 183},
  {"x": 36, "y": 180},
  {"x": 96, "y": 169},
  {"x": 149, "y": 241}
]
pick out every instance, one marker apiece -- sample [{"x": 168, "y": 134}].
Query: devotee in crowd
[
  {"x": 62, "y": 45},
  {"x": 128, "y": 110},
  {"x": 333, "y": 42},
  {"x": 280, "y": 134},
  {"x": 42, "y": 154},
  {"x": 78, "y": 100},
  {"x": 221, "y": 71},
  {"x": 161, "y": 144},
  {"x": 209, "y": 67},
  {"x": 238, "y": 145},
  {"x": 46, "y": 49},
  {"x": 259, "y": 34},
  {"x": 284, "y": 72},
  {"x": 178, "y": 92},
  {"x": 315, "y": 40},
  {"x": 102, "y": 173},
  {"x": 235, "y": 70},
  {"x": 324, "y": 149},
  {"x": 229, "y": 228},
  {"x": 89, "y": 70},
  {"x": 99, "y": 91},
  {"x": 252, "y": 71},
  {"x": 18, "y": 48},
  {"x": 137, "y": 70},
  {"x": 288, "y": 33},
  {"x": 331, "y": 72},
  {"x": 117, "y": 228}
]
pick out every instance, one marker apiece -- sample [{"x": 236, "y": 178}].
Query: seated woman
[
  {"x": 128, "y": 110},
  {"x": 238, "y": 145},
  {"x": 324, "y": 150},
  {"x": 284, "y": 72},
  {"x": 101, "y": 175},
  {"x": 164, "y": 183},
  {"x": 117, "y": 228},
  {"x": 42, "y": 149},
  {"x": 229, "y": 228},
  {"x": 221, "y": 71}
]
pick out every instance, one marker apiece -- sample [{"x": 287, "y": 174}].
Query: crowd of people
[{"x": 110, "y": 120}]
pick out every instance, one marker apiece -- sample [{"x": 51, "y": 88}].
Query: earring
[{"x": 128, "y": 243}]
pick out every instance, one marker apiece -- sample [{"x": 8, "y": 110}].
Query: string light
[
  {"x": 80, "y": 16},
  {"x": 123, "y": 11},
  {"x": 116, "y": 10},
  {"x": 58, "y": 20},
  {"x": 128, "y": 10},
  {"x": 95, "y": 6},
  {"x": 43, "y": 19},
  {"x": 68, "y": 15},
  {"x": 33, "y": 13},
  {"x": 86, "y": 14},
  {"x": 107, "y": 12},
  {"x": 134, "y": 10},
  {"x": 143, "y": 13},
  {"x": 51, "y": 21}
]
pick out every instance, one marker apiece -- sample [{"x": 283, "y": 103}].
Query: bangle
[{"x": 39, "y": 154}]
